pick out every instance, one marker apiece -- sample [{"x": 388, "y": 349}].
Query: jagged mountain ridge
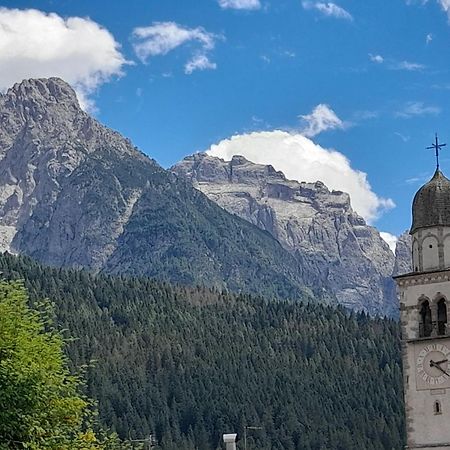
[
  {"x": 335, "y": 245},
  {"x": 77, "y": 194},
  {"x": 403, "y": 254}
]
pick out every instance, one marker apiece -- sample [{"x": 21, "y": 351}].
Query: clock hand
[
  {"x": 441, "y": 362},
  {"x": 433, "y": 364}
]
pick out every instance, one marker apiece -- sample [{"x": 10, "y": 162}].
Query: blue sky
[{"x": 177, "y": 76}]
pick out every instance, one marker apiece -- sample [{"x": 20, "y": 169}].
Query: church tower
[{"x": 424, "y": 299}]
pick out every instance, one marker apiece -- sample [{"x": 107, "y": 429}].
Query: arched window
[
  {"x": 437, "y": 407},
  {"x": 442, "y": 317},
  {"x": 425, "y": 325}
]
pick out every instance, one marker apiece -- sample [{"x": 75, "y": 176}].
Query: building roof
[{"x": 431, "y": 204}]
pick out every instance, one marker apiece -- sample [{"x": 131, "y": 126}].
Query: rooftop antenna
[{"x": 436, "y": 146}]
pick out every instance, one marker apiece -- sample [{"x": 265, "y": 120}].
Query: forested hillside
[{"x": 187, "y": 364}]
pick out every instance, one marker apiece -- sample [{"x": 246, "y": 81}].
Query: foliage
[
  {"x": 188, "y": 364},
  {"x": 41, "y": 406}
]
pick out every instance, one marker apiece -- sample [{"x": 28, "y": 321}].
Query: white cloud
[
  {"x": 321, "y": 119},
  {"x": 444, "y": 4},
  {"x": 399, "y": 65},
  {"x": 407, "y": 65},
  {"x": 199, "y": 62},
  {"x": 390, "y": 239},
  {"x": 35, "y": 44},
  {"x": 240, "y": 4},
  {"x": 288, "y": 54},
  {"x": 413, "y": 109},
  {"x": 161, "y": 38},
  {"x": 299, "y": 158},
  {"x": 328, "y": 9},
  {"x": 376, "y": 58},
  {"x": 403, "y": 137}
]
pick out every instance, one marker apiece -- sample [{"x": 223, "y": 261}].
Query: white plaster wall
[
  {"x": 431, "y": 249},
  {"x": 430, "y": 252},
  {"x": 425, "y": 427}
]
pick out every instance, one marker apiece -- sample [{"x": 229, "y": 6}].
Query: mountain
[
  {"x": 403, "y": 254},
  {"x": 74, "y": 193},
  {"x": 186, "y": 364},
  {"x": 338, "y": 250}
]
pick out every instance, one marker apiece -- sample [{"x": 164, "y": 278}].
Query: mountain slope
[
  {"x": 188, "y": 364},
  {"x": 77, "y": 194},
  {"x": 335, "y": 245}
]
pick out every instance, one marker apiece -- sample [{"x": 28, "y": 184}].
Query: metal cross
[{"x": 436, "y": 146}]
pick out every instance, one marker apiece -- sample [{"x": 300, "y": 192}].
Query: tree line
[{"x": 181, "y": 365}]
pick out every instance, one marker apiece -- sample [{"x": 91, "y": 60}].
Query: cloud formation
[
  {"x": 407, "y": 65},
  {"x": 161, "y": 38},
  {"x": 376, "y": 58},
  {"x": 299, "y": 158},
  {"x": 35, "y": 44},
  {"x": 321, "y": 119},
  {"x": 398, "y": 65},
  {"x": 328, "y": 9},
  {"x": 414, "y": 109},
  {"x": 444, "y": 4},
  {"x": 240, "y": 4},
  {"x": 199, "y": 62},
  {"x": 390, "y": 239}
]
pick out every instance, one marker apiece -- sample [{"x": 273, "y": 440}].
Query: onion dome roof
[{"x": 431, "y": 204}]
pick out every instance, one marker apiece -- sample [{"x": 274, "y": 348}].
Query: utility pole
[
  {"x": 245, "y": 434},
  {"x": 150, "y": 441}
]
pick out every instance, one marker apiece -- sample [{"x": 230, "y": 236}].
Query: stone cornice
[{"x": 415, "y": 278}]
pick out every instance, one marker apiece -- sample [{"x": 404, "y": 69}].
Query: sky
[{"x": 348, "y": 92}]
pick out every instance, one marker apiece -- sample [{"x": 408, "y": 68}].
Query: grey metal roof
[{"x": 431, "y": 204}]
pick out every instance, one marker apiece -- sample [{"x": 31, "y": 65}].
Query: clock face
[{"x": 433, "y": 366}]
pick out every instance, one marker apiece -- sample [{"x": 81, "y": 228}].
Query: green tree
[{"x": 41, "y": 405}]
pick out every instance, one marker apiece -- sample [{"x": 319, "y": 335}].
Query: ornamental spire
[{"x": 436, "y": 146}]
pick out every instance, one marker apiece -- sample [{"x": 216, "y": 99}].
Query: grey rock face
[
  {"x": 47, "y": 204},
  {"x": 74, "y": 193},
  {"x": 340, "y": 251},
  {"x": 403, "y": 254}
]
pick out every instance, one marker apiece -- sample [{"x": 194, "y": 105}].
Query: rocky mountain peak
[
  {"x": 403, "y": 256},
  {"x": 318, "y": 226},
  {"x": 238, "y": 160},
  {"x": 40, "y": 111},
  {"x": 43, "y": 90},
  {"x": 45, "y": 138},
  {"x": 204, "y": 169}
]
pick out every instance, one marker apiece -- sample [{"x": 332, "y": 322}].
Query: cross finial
[{"x": 436, "y": 146}]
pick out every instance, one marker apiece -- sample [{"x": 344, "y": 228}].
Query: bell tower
[{"x": 424, "y": 299}]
